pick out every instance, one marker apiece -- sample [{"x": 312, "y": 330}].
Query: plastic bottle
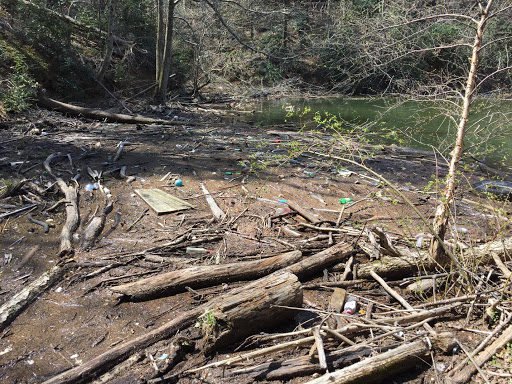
[
  {"x": 350, "y": 306},
  {"x": 345, "y": 200},
  {"x": 196, "y": 251}
]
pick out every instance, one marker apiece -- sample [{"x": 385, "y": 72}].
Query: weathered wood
[
  {"x": 321, "y": 260},
  {"x": 254, "y": 307},
  {"x": 102, "y": 115},
  {"x": 377, "y": 368},
  {"x": 463, "y": 376},
  {"x": 412, "y": 261},
  {"x": 204, "y": 276},
  {"x": 310, "y": 216},
  {"x": 72, "y": 209},
  {"x": 234, "y": 315},
  {"x": 161, "y": 202},
  {"x": 305, "y": 365},
  {"x": 14, "y": 306},
  {"x": 217, "y": 212}
]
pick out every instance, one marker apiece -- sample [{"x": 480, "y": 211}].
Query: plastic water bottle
[{"x": 350, "y": 306}]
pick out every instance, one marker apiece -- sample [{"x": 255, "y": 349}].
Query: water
[{"x": 417, "y": 124}]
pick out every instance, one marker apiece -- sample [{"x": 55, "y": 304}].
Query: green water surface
[{"x": 417, "y": 124}]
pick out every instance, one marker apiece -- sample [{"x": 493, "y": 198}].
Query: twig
[
  {"x": 400, "y": 299},
  {"x": 137, "y": 220}
]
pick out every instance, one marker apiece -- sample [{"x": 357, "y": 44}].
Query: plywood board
[{"x": 161, "y": 202}]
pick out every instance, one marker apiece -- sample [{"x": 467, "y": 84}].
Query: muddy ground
[{"x": 247, "y": 169}]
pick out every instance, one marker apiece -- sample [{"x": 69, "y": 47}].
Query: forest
[{"x": 214, "y": 191}]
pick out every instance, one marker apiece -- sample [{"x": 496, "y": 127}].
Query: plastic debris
[
  {"x": 345, "y": 200},
  {"x": 350, "y": 306},
  {"x": 178, "y": 183},
  {"x": 419, "y": 240},
  {"x": 284, "y": 201},
  {"x": 458, "y": 229},
  {"x": 91, "y": 187},
  {"x": 282, "y": 211}
]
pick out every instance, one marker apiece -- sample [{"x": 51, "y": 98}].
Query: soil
[{"x": 247, "y": 169}]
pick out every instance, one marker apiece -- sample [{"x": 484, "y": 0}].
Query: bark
[
  {"x": 14, "y": 306},
  {"x": 443, "y": 209},
  {"x": 253, "y": 307},
  {"x": 204, "y": 276},
  {"x": 321, "y": 260},
  {"x": 377, "y": 368},
  {"x": 46, "y": 102}
]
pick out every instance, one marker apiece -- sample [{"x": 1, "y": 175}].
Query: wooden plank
[
  {"x": 161, "y": 202},
  {"x": 337, "y": 300}
]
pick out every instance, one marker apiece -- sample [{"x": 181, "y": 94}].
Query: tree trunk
[
  {"x": 109, "y": 44},
  {"x": 321, "y": 260},
  {"x": 443, "y": 209},
  {"x": 204, "y": 276},
  {"x": 165, "y": 29},
  {"x": 234, "y": 315}
]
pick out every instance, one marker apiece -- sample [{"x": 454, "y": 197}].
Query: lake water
[{"x": 417, "y": 124}]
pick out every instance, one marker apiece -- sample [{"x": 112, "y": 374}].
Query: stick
[
  {"x": 464, "y": 376},
  {"x": 217, "y": 212},
  {"x": 16, "y": 211},
  {"x": 309, "y": 216},
  {"x": 72, "y": 211},
  {"x": 320, "y": 348},
  {"x": 400, "y": 299}
]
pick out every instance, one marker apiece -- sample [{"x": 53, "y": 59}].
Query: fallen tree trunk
[
  {"x": 204, "y": 276},
  {"x": 14, "y": 306},
  {"x": 72, "y": 209},
  {"x": 321, "y": 260},
  {"x": 396, "y": 267},
  {"x": 46, "y": 102},
  {"x": 377, "y": 368},
  {"x": 241, "y": 311}
]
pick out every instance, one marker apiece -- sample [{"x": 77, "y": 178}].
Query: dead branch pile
[{"x": 340, "y": 301}]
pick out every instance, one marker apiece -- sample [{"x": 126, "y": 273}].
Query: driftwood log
[
  {"x": 75, "y": 110},
  {"x": 321, "y": 260},
  {"x": 204, "y": 276},
  {"x": 14, "y": 306},
  {"x": 255, "y": 306},
  {"x": 72, "y": 211},
  {"x": 377, "y": 368}
]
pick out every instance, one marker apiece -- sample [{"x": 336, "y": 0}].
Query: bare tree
[{"x": 165, "y": 30}]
